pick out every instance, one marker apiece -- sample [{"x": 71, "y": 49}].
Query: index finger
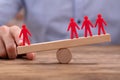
[{"x": 15, "y": 31}]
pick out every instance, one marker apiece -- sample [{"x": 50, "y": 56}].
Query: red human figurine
[
  {"x": 87, "y": 23},
  {"x": 24, "y": 33},
  {"x": 100, "y": 21},
  {"x": 73, "y": 25}
]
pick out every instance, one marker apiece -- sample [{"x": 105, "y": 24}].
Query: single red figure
[
  {"x": 100, "y": 21},
  {"x": 87, "y": 23},
  {"x": 73, "y": 25},
  {"x": 24, "y": 32}
]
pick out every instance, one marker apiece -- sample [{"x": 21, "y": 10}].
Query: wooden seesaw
[{"x": 63, "y": 54}]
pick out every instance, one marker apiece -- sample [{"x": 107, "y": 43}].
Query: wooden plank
[{"x": 63, "y": 43}]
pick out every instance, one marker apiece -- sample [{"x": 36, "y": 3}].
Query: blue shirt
[{"x": 48, "y": 20}]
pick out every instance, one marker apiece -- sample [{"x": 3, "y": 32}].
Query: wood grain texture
[
  {"x": 88, "y": 63},
  {"x": 67, "y": 43},
  {"x": 64, "y": 55}
]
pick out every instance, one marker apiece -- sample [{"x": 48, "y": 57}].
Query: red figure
[
  {"x": 87, "y": 25},
  {"x": 100, "y": 21},
  {"x": 25, "y": 33},
  {"x": 73, "y": 25}
]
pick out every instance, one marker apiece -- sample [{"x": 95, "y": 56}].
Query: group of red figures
[
  {"x": 87, "y": 24},
  {"x": 72, "y": 25}
]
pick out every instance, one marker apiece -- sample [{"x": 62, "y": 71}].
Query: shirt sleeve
[{"x": 8, "y": 10}]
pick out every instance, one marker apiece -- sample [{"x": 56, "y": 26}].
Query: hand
[{"x": 9, "y": 40}]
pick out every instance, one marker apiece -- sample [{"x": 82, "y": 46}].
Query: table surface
[{"x": 88, "y": 63}]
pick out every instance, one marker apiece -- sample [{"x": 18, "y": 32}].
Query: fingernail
[{"x": 30, "y": 56}]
